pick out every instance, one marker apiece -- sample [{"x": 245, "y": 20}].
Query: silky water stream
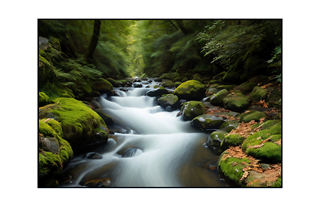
[{"x": 158, "y": 149}]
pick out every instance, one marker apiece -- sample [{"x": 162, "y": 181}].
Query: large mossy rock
[
  {"x": 54, "y": 153},
  {"x": 217, "y": 99},
  {"x": 269, "y": 151},
  {"x": 190, "y": 90},
  {"x": 246, "y": 87},
  {"x": 191, "y": 109},
  {"x": 157, "y": 92},
  {"x": 169, "y": 100},
  {"x": 236, "y": 102},
  {"x": 227, "y": 167},
  {"x": 43, "y": 99},
  {"x": 258, "y": 94},
  {"x": 207, "y": 122},
  {"x": 252, "y": 115},
  {"x": 102, "y": 86},
  {"x": 80, "y": 124}
]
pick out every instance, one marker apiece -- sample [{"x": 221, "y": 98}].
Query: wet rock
[
  {"x": 169, "y": 100},
  {"x": 98, "y": 183},
  {"x": 169, "y": 109},
  {"x": 131, "y": 152},
  {"x": 168, "y": 84},
  {"x": 50, "y": 144},
  {"x": 207, "y": 122},
  {"x": 107, "y": 119},
  {"x": 217, "y": 99},
  {"x": 123, "y": 89},
  {"x": 157, "y": 92},
  {"x": 191, "y": 109},
  {"x": 157, "y": 79},
  {"x": 230, "y": 125},
  {"x": 94, "y": 156},
  {"x": 215, "y": 138},
  {"x": 137, "y": 85}
]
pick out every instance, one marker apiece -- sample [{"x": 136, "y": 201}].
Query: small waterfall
[{"x": 167, "y": 151}]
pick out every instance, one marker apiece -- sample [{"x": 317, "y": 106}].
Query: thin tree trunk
[
  {"x": 183, "y": 30},
  {"x": 94, "y": 41},
  {"x": 173, "y": 24}
]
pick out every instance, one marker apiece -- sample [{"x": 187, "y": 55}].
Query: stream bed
[{"x": 151, "y": 147}]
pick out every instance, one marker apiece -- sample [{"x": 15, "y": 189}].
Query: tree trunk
[
  {"x": 183, "y": 30},
  {"x": 173, "y": 24},
  {"x": 94, "y": 41}
]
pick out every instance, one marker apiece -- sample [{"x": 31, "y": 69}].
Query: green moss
[
  {"x": 236, "y": 102},
  {"x": 277, "y": 184},
  {"x": 230, "y": 171},
  {"x": 275, "y": 137},
  {"x": 253, "y": 115},
  {"x": 269, "y": 152},
  {"x": 156, "y": 86},
  {"x": 168, "y": 100},
  {"x": 43, "y": 99},
  {"x": 166, "y": 76},
  {"x": 184, "y": 79},
  {"x": 190, "y": 90},
  {"x": 178, "y": 79},
  {"x": 78, "y": 121},
  {"x": 56, "y": 126},
  {"x": 232, "y": 140},
  {"x": 268, "y": 124},
  {"x": 192, "y": 109},
  {"x": 168, "y": 84},
  {"x": 258, "y": 93},
  {"x": 176, "y": 84},
  {"x": 217, "y": 99}
]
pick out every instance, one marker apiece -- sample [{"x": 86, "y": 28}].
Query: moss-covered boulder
[
  {"x": 166, "y": 76},
  {"x": 262, "y": 144},
  {"x": 178, "y": 79},
  {"x": 258, "y": 94},
  {"x": 236, "y": 102},
  {"x": 217, "y": 99},
  {"x": 207, "y": 122},
  {"x": 80, "y": 124},
  {"x": 191, "y": 109},
  {"x": 270, "y": 123},
  {"x": 169, "y": 100},
  {"x": 215, "y": 138},
  {"x": 252, "y": 115},
  {"x": 190, "y": 90},
  {"x": 228, "y": 126},
  {"x": 43, "y": 99},
  {"x": 245, "y": 87},
  {"x": 231, "y": 140},
  {"x": 158, "y": 92},
  {"x": 168, "y": 84},
  {"x": 232, "y": 167},
  {"x": 236, "y": 166},
  {"x": 212, "y": 89},
  {"x": 54, "y": 153}
]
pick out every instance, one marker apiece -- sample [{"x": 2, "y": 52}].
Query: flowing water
[{"x": 157, "y": 150}]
